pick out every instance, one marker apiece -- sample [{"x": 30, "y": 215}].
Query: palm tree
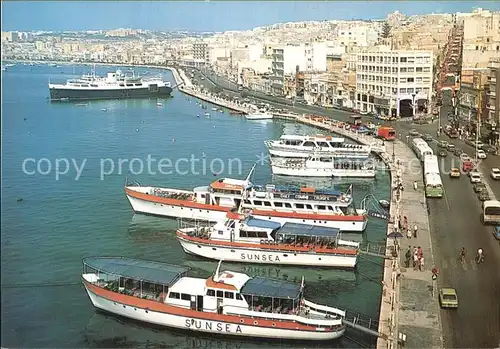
[{"x": 386, "y": 30}]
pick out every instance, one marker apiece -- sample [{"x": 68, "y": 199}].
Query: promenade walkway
[
  {"x": 186, "y": 86},
  {"x": 409, "y": 309}
]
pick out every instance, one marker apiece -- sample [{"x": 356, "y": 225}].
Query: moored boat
[
  {"x": 270, "y": 202},
  {"x": 242, "y": 238},
  {"x": 295, "y": 146},
  {"x": 322, "y": 166},
  {"x": 259, "y": 116},
  {"x": 115, "y": 85},
  {"x": 226, "y": 303}
]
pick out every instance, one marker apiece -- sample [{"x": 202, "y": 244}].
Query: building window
[
  {"x": 410, "y": 69},
  {"x": 402, "y": 59},
  {"x": 410, "y": 80},
  {"x": 402, "y": 70},
  {"x": 402, "y": 90},
  {"x": 427, "y": 69},
  {"x": 418, "y": 69}
]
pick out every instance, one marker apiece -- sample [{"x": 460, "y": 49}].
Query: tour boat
[
  {"x": 227, "y": 303},
  {"x": 259, "y": 116},
  {"x": 322, "y": 166},
  {"x": 294, "y": 146},
  {"x": 281, "y": 204},
  {"x": 242, "y": 238}
]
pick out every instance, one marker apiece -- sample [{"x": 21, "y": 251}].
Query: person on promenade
[
  {"x": 421, "y": 265},
  {"x": 400, "y": 224},
  {"x": 408, "y": 233},
  {"x": 415, "y": 228},
  {"x": 408, "y": 257}
]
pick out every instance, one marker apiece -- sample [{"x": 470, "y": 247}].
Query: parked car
[
  {"x": 450, "y": 147},
  {"x": 414, "y": 133},
  {"x": 488, "y": 149},
  {"x": 478, "y": 144},
  {"x": 475, "y": 177},
  {"x": 495, "y": 173},
  {"x": 427, "y": 137},
  {"x": 448, "y": 298},
  {"x": 483, "y": 196},
  {"x": 465, "y": 157},
  {"x": 455, "y": 173},
  {"x": 481, "y": 154},
  {"x": 496, "y": 232},
  {"x": 479, "y": 187},
  {"x": 442, "y": 153}
]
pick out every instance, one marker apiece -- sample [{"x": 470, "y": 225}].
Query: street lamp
[{"x": 413, "y": 103}]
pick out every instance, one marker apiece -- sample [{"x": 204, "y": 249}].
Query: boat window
[
  {"x": 138, "y": 84},
  {"x": 220, "y": 294},
  {"x": 326, "y": 159},
  {"x": 130, "y": 84},
  {"x": 322, "y": 144},
  {"x": 309, "y": 144},
  {"x": 309, "y": 207},
  {"x": 267, "y": 203},
  {"x": 238, "y": 297},
  {"x": 243, "y": 234},
  {"x": 229, "y": 295},
  {"x": 94, "y": 85},
  {"x": 211, "y": 292},
  {"x": 299, "y": 205},
  {"x": 247, "y": 202},
  {"x": 174, "y": 295},
  {"x": 186, "y": 297},
  {"x": 331, "y": 208},
  {"x": 278, "y": 204},
  {"x": 257, "y": 203},
  {"x": 321, "y": 207},
  {"x": 288, "y": 205},
  {"x": 202, "y": 196}
]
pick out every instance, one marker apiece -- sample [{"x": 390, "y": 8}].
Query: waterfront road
[{"x": 454, "y": 222}]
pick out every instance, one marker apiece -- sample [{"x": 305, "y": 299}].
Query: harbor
[{"x": 115, "y": 230}]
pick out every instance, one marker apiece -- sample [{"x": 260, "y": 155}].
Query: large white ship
[
  {"x": 297, "y": 205},
  {"x": 115, "y": 85},
  {"x": 242, "y": 238},
  {"x": 294, "y": 146},
  {"x": 322, "y": 166},
  {"x": 227, "y": 303}
]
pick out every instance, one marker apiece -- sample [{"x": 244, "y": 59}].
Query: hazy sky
[{"x": 204, "y": 15}]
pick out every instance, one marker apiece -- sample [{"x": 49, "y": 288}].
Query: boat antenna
[
  {"x": 217, "y": 271},
  {"x": 251, "y": 173}
]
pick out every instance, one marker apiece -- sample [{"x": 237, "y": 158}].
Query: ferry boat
[
  {"x": 243, "y": 238},
  {"x": 115, "y": 85},
  {"x": 322, "y": 166},
  {"x": 281, "y": 204},
  {"x": 227, "y": 303},
  {"x": 294, "y": 146}
]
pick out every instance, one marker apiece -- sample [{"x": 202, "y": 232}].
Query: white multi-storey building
[
  {"x": 201, "y": 53},
  {"x": 356, "y": 34},
  {"x": 397, "y": 83},
  {"x": 289, "y": 59}
]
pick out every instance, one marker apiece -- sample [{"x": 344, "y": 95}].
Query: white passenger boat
[
  {"x": 281, "y": 204},
  {"x": 322, "y": 166},
  {"x": 227, "y": 303},
  {"x": 242, "y": 238},
  {"x": 259, "y": 116},
  {"x": 294, "y": 146}
]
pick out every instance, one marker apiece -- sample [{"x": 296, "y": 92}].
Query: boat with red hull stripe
[
  {"x": 296, "y": 205},
  {"x": 227, "y": 303}
]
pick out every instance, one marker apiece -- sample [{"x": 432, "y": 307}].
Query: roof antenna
[{"x": 217, "y": 271}]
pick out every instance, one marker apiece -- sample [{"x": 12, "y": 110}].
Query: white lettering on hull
[
  {"x": 259, "y": 257},
  {"x": 203, "y": 325}
]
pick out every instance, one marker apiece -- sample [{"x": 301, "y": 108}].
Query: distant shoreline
[{"x": 90, "y": 63}]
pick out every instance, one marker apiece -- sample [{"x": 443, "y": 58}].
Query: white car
[
  {"x": 478, "y": 144},
  {"x": 481, "y": 154},
  {"x": 464, "y": 157},
  {"x": 475, "y": 177},
  {"x": 495, "y": 173}
]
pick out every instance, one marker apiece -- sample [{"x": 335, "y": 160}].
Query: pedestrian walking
[
  {"x": 408, "y": 233},
  {"x": 421, "y": 265},
  {"x": 415, "y": 228},
  {"x": 415, "y": 185},
  {"x": 415, "y": 262},
  {"x": 400, "y": 224},
  {"x": 408, "y": 257}
]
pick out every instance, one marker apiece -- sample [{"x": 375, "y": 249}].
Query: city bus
[
  {"x": 431, "y": 164},
  {"x": 491, "y": 212},
  {"x": 433, "y": 185},
  {"x": 421, "y": 148}
]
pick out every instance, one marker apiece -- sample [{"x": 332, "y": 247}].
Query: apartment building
[
  {"x": 493, "y": 104},
  {"x": 201, "y": 53},
  {"x": 397, "y": 83},
  {"x": 290, "y": 59},
  {"x": 356, "y": 34}
]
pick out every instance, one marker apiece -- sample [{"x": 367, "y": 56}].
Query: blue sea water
[{"x": 49, "y": 224}]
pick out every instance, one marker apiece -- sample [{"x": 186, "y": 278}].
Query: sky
[{"x": 205, "y": 15}]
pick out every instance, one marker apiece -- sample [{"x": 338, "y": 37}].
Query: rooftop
[{"x": 154, "y": 272}]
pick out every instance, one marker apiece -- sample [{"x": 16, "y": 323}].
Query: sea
[{"x": 63, "y": 171}]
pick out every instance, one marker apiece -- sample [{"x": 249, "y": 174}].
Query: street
[{"x": 455, "y": 223}]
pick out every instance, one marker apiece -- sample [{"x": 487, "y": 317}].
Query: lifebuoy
[{"x": 262, "y": 241}]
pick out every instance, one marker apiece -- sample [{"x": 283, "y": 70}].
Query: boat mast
[
  {"x": 217, "y": 271},
  {"x": 250, "y": 173}
]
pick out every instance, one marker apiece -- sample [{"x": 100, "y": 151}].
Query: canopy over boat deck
[
  {"x": 141, "y": 270},
  {"x": 262, "y": 287},
  {"x": 299, "y": 229},
  {"x": 261, "y": 223}
]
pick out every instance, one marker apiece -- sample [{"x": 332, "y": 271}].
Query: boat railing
[
  {"x": 195, "y": 225},
  {"x": 301, "y": 316},
  {"x": 324, "y": 308}
]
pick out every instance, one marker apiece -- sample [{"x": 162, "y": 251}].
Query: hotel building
[{"x": 397, "y": 83}]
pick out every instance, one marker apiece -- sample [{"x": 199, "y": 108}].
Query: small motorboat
[
  {"x": 104, "y": 109},
  {"x": 384, "y": 203},
  {"x": 214, "y": 109},
  {"x": 207, "y": 114}
]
